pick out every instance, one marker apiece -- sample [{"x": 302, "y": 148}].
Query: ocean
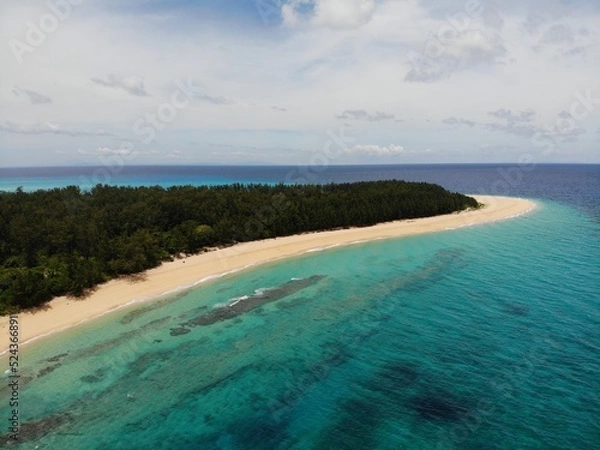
[{"x": 480, "y": 337}]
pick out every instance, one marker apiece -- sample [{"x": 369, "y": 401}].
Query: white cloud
[
  {"x": 475, "y": 46},
  {"x": 214, "y": 99},
  {"x": 377, "y": 150},
  {"x": 519, "y": 124},
  {"x": 133, "y": 85},
  {"x": 509, "y": 116},
  {"x": 361, "y": 114},
  {"x": 47, "y": 128},
  {"x": 106, "y": 151},
  {"x": 459, "y": 121},
  {"x": 342, "y": 59},
  {"x": 564, "y": 128},
  {"x": 557, "y": 34},
  {"x": 561, "y": 37},
  {"x": 36, "y": 98},
  {"x": 336, "y": 14},
  {"x": 465, "y": 50}
]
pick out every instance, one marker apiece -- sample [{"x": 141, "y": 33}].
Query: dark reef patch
[
  {"x": 124, "y": 337},
  {"x": 259, "y": 433},
  {"x": 335, "y": 359},
  {"x": 516, "y": 309},
  {"x": 49, "y": 369},
  {"x": 356, "y": 427},
  {"x": 57, "y": 357},
  {"x": 293, "y": 304},
  {"x": 39, "y": 428},
  {"x": 253, "y": 302},
  {"x": 394, "y": 378},
  {"x": 131, "y": 316},
  {"x": 438, "y": 407},
  {"x": 432, "y": 272},
  {"x": 138, "y": 312},
  {"x": 219, "y": 382},
  {"x": 96, "y": 377},
  {"x": 179, "y": 331}
]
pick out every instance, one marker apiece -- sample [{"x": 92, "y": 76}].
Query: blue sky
[{"x": 299, "y": 81}]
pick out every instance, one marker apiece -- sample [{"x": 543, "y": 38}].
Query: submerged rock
[
  {"x": 517, "y": 309},
  {"x": 397, "y": 376},
  {"x": 254, "y": 302},
  {"x": 179, "y": 331},
  {"x": 57, "y": 357},
  {"x": 433, "y": 407},
  {"x": 39, "y": 428},
  {"x": 91, "y": 379},
  {"x": 49, "y": 369},
  {"x": 258, "y": 433},
  {"x": 96, "y": 377},
  {"x": 355, "y": 426}
]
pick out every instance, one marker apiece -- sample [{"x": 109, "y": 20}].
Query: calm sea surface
[{"x": 484, "y": 337}]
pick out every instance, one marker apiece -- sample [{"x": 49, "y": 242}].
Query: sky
[{"x": 317, "y": 82}]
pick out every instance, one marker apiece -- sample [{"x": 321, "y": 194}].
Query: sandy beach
[{"x": 65, "y": 312}]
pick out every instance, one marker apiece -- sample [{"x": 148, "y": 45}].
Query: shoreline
[{"x": 63, "y": 312}]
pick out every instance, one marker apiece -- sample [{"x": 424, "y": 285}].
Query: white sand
[{"x": 64, "y": 312}]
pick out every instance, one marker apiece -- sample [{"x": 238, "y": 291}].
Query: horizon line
[{"x": 307, "y": 165}]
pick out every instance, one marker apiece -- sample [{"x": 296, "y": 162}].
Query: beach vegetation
[{"x": 65, "y": 241}]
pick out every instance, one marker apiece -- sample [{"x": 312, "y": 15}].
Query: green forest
[{"x": 66, "y": 240}]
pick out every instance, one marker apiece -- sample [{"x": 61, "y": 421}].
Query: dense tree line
[{"x": 64, "y": 241}]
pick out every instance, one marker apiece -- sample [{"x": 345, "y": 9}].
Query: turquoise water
[{"x": 482, "y": 337}]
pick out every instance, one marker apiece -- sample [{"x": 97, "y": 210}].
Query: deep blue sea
[{"x": 485, "y": 337}]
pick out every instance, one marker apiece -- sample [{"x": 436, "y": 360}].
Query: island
[
  {"x": 66, "y": 241},
  {"x": 69, "y": 255}
]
